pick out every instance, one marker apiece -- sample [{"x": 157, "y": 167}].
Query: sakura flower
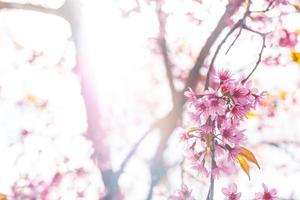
[
  {"x": 199, "y": 167},
  {"x": 231, "y": 192},
  {"x": 217, "y": 107},
  {"x": 288, "y": 39},
  {"x": 266, "y": 195},
  {"x": 223, "y": 76},
  {"x": 240, "y": 95},
  {"x": 190, "y": 94},
  {"x": 239, "y": 112},
  {"x": 183, "y": 194}
]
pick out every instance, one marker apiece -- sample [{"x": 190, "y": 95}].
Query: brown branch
[
  {"x": 233, "y": 42},
  {"x": 268, "y": 8},
  {"x": 32, "y": 7},
  {"x": 222, "y": 24},
  {"x": 236, "y": 25},
  {"x": 161, "y": 16}
]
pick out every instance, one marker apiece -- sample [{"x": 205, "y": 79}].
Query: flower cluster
[
  {"x": 183, "y": 194},
  {"x": 216, "y": 116},
  {"x": 232, "y": 194}
]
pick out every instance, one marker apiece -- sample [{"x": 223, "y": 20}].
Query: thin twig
[
  {"x": 269, "y": 7},
  {"x": 134, "y": 149},
  {"x": 237, "y": 36},
  {"x": 263, "y": 35},
  {"x": 236, "y": 25},
  {"x": 218, "y": 50}
]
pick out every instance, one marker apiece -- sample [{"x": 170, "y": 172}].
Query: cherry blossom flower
[
  {"x": 288, "y": 39},
  {"x": 231, "y": 192},
  {"x": 183, "y": 194},
  {"x": 266, "y": 195}
]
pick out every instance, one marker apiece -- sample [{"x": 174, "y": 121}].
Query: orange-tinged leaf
[
  {"x": 295, "y": 56},
  {"x": 283, "y": 95},
  {"x": 297, "y": 31},
  {"x": 3, "y": 197},
  {"x": 31, "y": 99},
  {"x": 296, "y": 6},
  {"x": 249, "y": 156},
  {"x": 243, "y": 163}
]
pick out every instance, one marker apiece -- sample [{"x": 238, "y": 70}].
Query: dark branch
[
  {"x": 233, "y": 42},
  {"x": 238, "y": 24},
  {"x": 268, "y": 8},
  {"x": 222, "y": 24}
]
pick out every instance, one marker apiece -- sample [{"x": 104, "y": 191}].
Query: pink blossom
[
  {"x": 192, "y": 97},
  {"x": 240, "y": 95},
  {"x": 218, "y": 114},
  {"x": 217, "y": 107},
  {"x": 266, "y": 195},
  {"x": 183, "y": 194},
  {"x": 231, "y": 192},
  {"x": 288, "y": 39}
]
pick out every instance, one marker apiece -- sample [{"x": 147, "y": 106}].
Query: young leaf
[
  {"x": 295, "y": 57},
  {"x": 192, "y": 129},
  {"x": 244, "y": 164},
  {"x": 3, "y": 197},
  {"x": 249, "y": 156}
]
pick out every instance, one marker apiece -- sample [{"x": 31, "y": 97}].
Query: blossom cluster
[
  {"x": 231, "y": 193},
  {"x": 216, "y": 117}
]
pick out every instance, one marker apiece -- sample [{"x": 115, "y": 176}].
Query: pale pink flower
[
  {"x": 231, "y": 192},
  {"x": 266, "y": 195},
  {"x": 183, "y": 194},
  {"x": 239, "y": 112},
  {"x": 192, "y": 97},
  {"x": 240, "y": 95},
  {"x": 199, "y": 167},
  {"x": 222, "y": 76},
  {"x": 217, "y": 107}
]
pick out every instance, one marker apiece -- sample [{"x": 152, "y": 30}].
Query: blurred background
[{"x": 91, "y": 96}]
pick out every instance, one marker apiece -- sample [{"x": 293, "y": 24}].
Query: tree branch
[
  {"x": 263, "y": 35},
  {"x": 161, "y": 16},
  {"x": 236, "y": 25},
  {"x": 32, "y": 7},
  {"x": 222, "y": 24}
]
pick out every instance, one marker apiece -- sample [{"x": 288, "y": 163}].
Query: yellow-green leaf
[
  {"x": 249, "y": 156},
  {"x": 244, "y": 165},
  {"x": 250, "y": 115}
]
